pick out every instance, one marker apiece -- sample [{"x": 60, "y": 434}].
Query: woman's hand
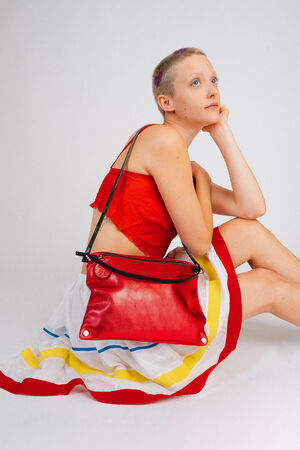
[{"x": 221, "y": 123}]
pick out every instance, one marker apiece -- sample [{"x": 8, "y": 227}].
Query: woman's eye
[{"x": 197, "y": 79}]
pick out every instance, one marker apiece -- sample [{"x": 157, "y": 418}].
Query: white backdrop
[{"x": 75, "y": 82}]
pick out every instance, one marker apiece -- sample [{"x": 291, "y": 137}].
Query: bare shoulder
[
  {"x": 158, "y": 139},
  {"x": 161, "y": 133},
  {"x": 153, "y": 140},
  {"x": 157, "y": 132}
]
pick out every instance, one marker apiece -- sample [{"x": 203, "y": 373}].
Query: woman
[{"x": 161, "y": 194}]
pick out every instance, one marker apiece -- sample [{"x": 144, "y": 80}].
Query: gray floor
[{"x": 252, "y": 399}]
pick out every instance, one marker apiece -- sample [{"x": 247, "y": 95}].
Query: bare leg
[
  {"x": 263, "y": 291},
  {"x": 249, "y": 240},
  {"x": 274, "y": 283},
  {"x": 286, "y": 302}
]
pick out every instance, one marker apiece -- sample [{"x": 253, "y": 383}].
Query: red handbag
[{"x": 139, "y": 298}]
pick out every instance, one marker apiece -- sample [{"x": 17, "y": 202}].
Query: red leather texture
[{"x": 127, "y": 308}]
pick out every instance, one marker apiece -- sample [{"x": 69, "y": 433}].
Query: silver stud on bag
[
  {"x": 85, "y": 333},
  {"x": 204, "y": 340}
]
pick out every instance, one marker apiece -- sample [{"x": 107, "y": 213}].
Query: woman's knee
[
  {"x": 240, "y": 237},
  {"x": 251, "y": 225}
]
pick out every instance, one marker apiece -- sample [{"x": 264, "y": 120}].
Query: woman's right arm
[{"x": 169, "y": 163}]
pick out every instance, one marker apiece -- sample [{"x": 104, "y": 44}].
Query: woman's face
[{"x": 196, "y": 87}]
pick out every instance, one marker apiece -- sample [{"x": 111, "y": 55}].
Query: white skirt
[{"x": 130, "y": 372}]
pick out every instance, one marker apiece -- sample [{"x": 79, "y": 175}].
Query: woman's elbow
[{"x": 201, "y": 250}]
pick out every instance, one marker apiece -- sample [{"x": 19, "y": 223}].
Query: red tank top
[{"x": 137, "y": 209}]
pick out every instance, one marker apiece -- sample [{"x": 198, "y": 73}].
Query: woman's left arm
[
  {"x": 246, "y": 199},
  {"x": 246, "y": 193}
]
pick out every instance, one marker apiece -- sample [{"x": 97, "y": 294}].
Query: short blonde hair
[{"x": 164, "y": 73}]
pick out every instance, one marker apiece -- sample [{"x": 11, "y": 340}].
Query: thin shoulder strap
[{"x": 129, "y": 143}]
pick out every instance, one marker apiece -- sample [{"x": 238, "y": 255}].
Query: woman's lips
[{"x": 213, "y": 106}]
